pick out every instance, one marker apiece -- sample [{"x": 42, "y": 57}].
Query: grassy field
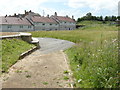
[
  {"x": 94, "y": 58},
  {"x": 97, "y": 25},
  {"x": 11, "y": 50}
]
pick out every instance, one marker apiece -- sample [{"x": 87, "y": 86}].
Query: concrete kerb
[{"x": 27, "y": 52}]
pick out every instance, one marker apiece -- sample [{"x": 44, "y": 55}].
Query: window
[
  {"x": 29, "y": 26},
  {"x": 50, "y": 24},
  {"x": 10, "y": 26},
  {"x": 65, "y": 22},
  {"x": 21, "y": 26},
  {"x": 43, "y": 24},
  {"x": 56, "y": 24}
]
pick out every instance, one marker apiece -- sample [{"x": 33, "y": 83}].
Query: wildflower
[
  {"x": 99, "y": 50},
  {"x": 79, "y": 80},
  {"x": 88, "y": 53},
  {"x": 91, "y": 42},
  {"x": 105, "y": 40},
  {"x": 78, "y": 65},
  {"x": 114, "y": 40}
]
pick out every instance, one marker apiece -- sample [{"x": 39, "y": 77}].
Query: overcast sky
[{"x": 78, "y": 8}]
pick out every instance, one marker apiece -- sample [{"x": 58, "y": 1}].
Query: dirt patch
[
  {"x": 39, "y": 71},
  {"x": 8, "y": 33}
]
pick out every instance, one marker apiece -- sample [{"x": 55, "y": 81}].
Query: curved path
[{"x": 43, "y": 68}]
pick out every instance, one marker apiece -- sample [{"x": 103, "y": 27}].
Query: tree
[
  {"x": 106, "y": 18},
  {"x": 89, "y": 14},
  {"x": 118, "y": 17},
  {"x": 101, "y": 18},
  {"x": 114, "y": 18}
]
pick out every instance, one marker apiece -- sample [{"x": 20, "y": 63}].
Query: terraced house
[
  {"x": 31, "y": 21},
  {"x": 15, "y": 24}
]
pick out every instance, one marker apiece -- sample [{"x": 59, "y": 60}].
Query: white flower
[
  {"x": 78, "y": 65},
  {"x": 105, "y": 40},
  {"x": 114, "y": 40},
  {"x": 79, "y": 80}
]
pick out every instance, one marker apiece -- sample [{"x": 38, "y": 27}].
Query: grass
[
  {"x": 66, "y": 78},
  {"x": 28, "y": 76},
  {"x": 94, "y": 58},
  {"x": 66, "y": 72},
  {"x": 45, "y": 83},
  {"x": 98, "y": 26},
  {"x": 97, "y": 62},
  {"x": 11, "y": 50},
  {"x": 18, "y": 71}
]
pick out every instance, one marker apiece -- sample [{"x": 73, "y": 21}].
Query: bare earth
[{"x": 44, "y": 68}]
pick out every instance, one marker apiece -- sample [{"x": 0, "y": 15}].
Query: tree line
[{"x": 98, "y": 18}]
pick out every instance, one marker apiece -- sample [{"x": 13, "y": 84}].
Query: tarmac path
[{"x": 44, "y": 68}]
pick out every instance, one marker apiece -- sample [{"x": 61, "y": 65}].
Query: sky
[{"x": 78, "y": 8}]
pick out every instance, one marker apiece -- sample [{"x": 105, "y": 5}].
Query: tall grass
[
  {"x": 94, "y": 58},
  {"x": 95, "y": 64}
]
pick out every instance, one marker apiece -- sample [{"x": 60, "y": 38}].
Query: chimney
[
  {"x": 72, "y": 17},
  {"x": 25, "y": 11},
  {"x": 48, "y": 15},
  {"x": 5, "y": 15},
  {"x": 30, "y": 11},
  {"x": 15, "y": 15},
  {"x": 55, "y": 13}
]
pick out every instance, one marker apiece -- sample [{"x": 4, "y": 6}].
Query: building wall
[
  {"x": 0, "y": 28},
  {"x": 16, "y": 28},
  {"x": 45, "y": 26},
  {"x": 67, "y": 26}
]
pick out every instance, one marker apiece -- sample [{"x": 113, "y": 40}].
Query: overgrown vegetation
[
  {"x": 94, "y": 58},
  {"x": 11, "y": 50},
  {"x": 98, "y": 25},
  {"x": 89, "y": 16}
]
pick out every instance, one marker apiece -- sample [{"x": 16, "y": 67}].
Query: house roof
[
  {"x": 14, "y": 21},
  {"x": 43, "y": 19},
  {"x": 63, "y": 18}
]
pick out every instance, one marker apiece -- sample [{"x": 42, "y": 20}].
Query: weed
[
  {"x": 66, "y": 72},
  {"x": 66, "y": 77},
  {"x": 45, "y": 83},
  {"x": 28, "y": 76},
  {"x": 18, "y": 71}
]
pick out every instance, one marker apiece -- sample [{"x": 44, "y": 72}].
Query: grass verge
[{"x": 11, "y": 50}]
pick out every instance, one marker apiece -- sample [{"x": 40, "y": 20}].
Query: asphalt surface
[{"x": 49, "y": 45}]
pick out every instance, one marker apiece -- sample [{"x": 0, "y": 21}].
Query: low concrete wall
[{"x": 24, "y": 36}]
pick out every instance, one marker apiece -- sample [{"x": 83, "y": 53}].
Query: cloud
[
  {"x": 95, "y": 5},
  {"x": 12, "y": 6},
  {"x": 77, "y": 8}
]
